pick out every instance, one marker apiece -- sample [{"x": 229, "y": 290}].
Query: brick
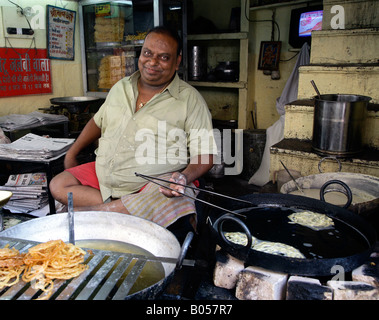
[
  {"x": 353, "y": 290},
  {"x": 367, "y": 273},
  {"x": 260, "y": 284},
  {"x": 302, "y": 288},
  {"x": 227, "y": 268}
]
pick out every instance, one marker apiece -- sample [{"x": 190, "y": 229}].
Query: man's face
[{"x": 158, "y": 60}]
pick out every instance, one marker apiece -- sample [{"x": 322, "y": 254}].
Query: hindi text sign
[
  {"x": 24, "y": 71},
  {"x": 60, "y": 35}
]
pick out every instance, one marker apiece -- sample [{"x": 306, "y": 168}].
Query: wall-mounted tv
[{"x": 303, "y": 22}]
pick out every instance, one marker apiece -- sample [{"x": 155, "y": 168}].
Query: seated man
[{"x": 151, "y": 123}]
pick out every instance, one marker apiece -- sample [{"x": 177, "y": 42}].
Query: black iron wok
[
  {"x": 74, "y": 104},
  {"x": 348, "y": 245}
]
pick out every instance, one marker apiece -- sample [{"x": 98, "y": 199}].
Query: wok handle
[
  {"x": 184, "y": 249},
  {"x": 219, "y": 223},
  {"x": 331, "y": 158},
  {"x": 344, "y": 185}
]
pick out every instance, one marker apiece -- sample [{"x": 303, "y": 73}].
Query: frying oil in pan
[
  {"x": 152, "y": 272},
  {"x": 272, "y": 224}
]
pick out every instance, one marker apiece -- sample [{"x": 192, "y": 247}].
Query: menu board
[
  {"x": 61, "y": 31},
  {"x": 24, "y": 71}
]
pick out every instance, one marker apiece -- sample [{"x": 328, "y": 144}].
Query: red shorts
[{"x": 86, "y": 174}]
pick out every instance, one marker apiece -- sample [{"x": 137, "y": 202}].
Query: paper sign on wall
[{"x": 61, "y": 31}]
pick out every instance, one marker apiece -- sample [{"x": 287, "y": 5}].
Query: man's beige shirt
[{"x": 174, "y": 126}]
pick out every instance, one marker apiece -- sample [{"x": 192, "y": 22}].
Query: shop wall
[
  {"x": 66, "y": 74},
  {"x": 263, "y": 90}
]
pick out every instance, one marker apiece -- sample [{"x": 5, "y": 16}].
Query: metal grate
[{"x": 106, "y": 278}]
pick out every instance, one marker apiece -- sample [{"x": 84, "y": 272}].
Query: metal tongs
[
  {"x": 293, "y": 179},
  {"x": 235, "y": 212},
  {"x": 71, "y": 233}
]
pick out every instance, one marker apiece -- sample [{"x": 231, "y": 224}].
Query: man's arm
[
  {"x": 90, "y": 133},
  {"x": 197, "y": 167}
]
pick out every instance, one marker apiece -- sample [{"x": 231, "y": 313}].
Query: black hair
[{"x": 170, "y": 32}]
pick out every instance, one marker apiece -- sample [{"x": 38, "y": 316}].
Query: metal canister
[
  {"x": 197, "y": 63},
  {"x": 338, "y": 124}
]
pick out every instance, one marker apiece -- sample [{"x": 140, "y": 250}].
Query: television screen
[
  {"x": 303, "y": 21},
  {"x": 310, "y": 21}
]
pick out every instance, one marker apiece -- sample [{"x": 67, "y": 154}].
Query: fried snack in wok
[
  {"x": 275, "y": 248},
  {"x": 52, "y": 260},
  {"x": 11, "y": 266},
  {"x": 312, "y": 220}
]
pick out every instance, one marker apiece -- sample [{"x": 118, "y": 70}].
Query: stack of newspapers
[
  {"x": 34, "y": 147},
  {"x": 25, "y": 121},
  {"x": 29, "y": 192}
]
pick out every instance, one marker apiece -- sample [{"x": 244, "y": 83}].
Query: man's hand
[
  {"x": 179, "y": 190},
  {"x": 198, "y": 166}
]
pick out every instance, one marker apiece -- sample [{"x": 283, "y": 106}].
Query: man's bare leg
[
  {"x": 112, "y": 206},
  {"x": 65, "y": 182}
]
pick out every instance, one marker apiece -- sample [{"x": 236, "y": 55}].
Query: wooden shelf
[
  {"x": 218, "y": 36},
  {"x": 234, "y": 85},
  {"x": 240, "y": 86}
]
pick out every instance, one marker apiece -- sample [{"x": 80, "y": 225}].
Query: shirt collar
[{"x": 173, "y": 87}]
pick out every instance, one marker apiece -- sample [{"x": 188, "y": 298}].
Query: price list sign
[
  {"x": 24, "y": 71},
  {"x": 61, "y": 30}
]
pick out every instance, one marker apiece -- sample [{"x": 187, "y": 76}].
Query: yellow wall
[
  {"x": 263, "y": 90},
  {"x": 66, "y": 75}
]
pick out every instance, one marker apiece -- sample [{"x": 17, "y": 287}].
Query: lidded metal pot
[{"x": 338, "y": 124}]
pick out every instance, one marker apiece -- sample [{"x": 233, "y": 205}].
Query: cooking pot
[
  {"x": 197, "y": 63},
  {"x": 348, "y": 244},
  {"x": 338, "y": 124},
  {"x": 106, "y": 226}
]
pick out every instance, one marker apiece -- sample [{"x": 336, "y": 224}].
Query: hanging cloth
[{"x": 275, "y": 133}]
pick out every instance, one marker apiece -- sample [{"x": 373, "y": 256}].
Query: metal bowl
[{"x": 362, "y": 185}]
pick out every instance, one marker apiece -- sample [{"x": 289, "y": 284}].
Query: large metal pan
[
  {"x": 348, "y": 245},
  {"x": 106, "y": 226},
  {"x": 362, "y": 186},
  {"x": 74, "y": 104}
]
